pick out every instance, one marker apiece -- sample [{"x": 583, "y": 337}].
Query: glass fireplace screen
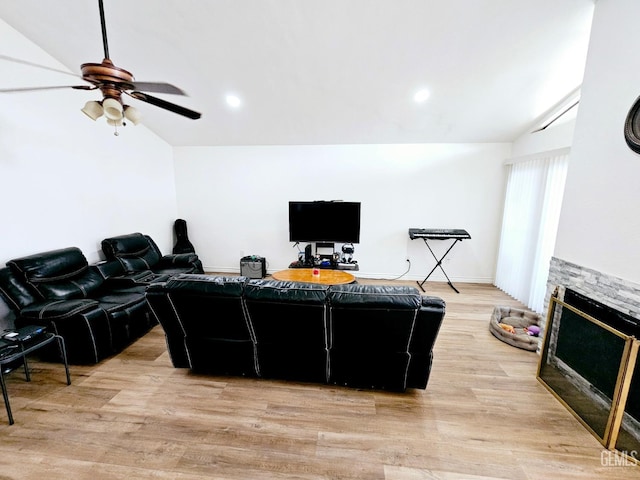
[{"x": 588, "y": 365}]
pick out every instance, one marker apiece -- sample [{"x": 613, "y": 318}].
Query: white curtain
[{"x": 532, "y": 204}]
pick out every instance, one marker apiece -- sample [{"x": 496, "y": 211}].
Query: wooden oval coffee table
[{"x": 326, "y": 277}]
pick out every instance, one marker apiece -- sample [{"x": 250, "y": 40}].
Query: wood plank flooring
[{"x": 484, "y": 416}]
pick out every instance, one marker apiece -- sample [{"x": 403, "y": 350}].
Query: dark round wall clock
[{"x": 632, "y": 127}]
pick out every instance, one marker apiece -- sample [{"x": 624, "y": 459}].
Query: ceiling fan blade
[
  {"x": 158, "y": 102},
  {"x": 37, "y": 65},
  {"x": 158, "y": 87},
  {"x": 54, "y": 87}
]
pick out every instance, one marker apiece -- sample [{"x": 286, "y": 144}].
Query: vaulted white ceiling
[{"x": 325, "y": 72}]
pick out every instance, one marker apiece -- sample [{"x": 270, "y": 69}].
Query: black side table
[{"x": 28, "y": 339}]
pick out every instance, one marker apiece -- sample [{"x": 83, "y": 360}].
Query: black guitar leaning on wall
[{"x": 183, "y": 245}]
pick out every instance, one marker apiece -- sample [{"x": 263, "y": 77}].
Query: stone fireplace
[{"x": 617, "y": 293}]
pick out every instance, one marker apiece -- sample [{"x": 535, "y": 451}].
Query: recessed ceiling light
[
  {"x": 233, "y": 101},
  {"x": 421, "y": 95}
]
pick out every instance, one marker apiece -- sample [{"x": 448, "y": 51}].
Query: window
[{"x": 535, "y": 188}]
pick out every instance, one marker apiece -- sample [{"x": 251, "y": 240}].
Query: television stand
[
  {"x": 332, "y": 266},
  {"x": 347, "y": 266},
  {"x": 326, "y": 257}
]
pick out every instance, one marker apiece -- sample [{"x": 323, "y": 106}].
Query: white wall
[
  {"x": 66, "y": 180},
  {"x": 599, "y": 224},
  {"x": 552, "y": 138},
  {"x": 235, "y": 201}
]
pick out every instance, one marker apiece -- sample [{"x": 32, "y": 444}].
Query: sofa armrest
[
  {"x": 80, "y": 321},
  {"x": 428, "y": 322},
  {"x": 49, "y": 310},
  {"x": 109, "y": 269},
  {"x": 157, "y": 298},
  {"x": 133, "y": 279},
  {"x": 181, "y": 260},
  {"x": 178, "y": 259}
]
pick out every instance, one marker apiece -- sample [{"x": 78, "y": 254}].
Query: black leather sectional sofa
[
  {"x": 98, "y": 309},
  {"x": 363, "y": 336}
]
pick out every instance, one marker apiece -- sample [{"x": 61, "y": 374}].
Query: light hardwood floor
[{"x": 483, "y": 416}]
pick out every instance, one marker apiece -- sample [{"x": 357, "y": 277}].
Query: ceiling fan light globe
[
  {"x": 112, "y": 109},
  {"x": 92, "y": 109},
  {"x": 132, "y": 114},
  {"x": 114, "y": 123}
]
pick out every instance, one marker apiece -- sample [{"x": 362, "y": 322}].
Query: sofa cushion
[
  {"x": 205, "y": 316},
  {"x": 113, "y": 300},
  {"x": 289, "y": 325},
  {"x": 372, "y": 317},
  {"x": 57, "y": 274},
  {"x": 287, "y": 313},
  {"x": 127, "y": 312},
  {"x": 211, "y": 307}
]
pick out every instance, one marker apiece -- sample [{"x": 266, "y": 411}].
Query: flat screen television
[{"x": 337, "y": 222}]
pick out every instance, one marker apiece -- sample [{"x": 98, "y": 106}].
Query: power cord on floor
[{"x": 407, "y": 271}]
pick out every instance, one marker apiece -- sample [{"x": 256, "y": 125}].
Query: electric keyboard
[
  {"x": 455, "y": 234},
  {"x": 438, "y": 233}
]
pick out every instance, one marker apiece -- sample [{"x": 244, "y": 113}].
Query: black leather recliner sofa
[
  {"x": 60, "y": 290},
  {"x": 139, "y": 257},
  {"x": 363, "y": 336}
]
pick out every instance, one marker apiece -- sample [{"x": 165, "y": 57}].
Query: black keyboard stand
[{"x": 438, "y": 264}]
